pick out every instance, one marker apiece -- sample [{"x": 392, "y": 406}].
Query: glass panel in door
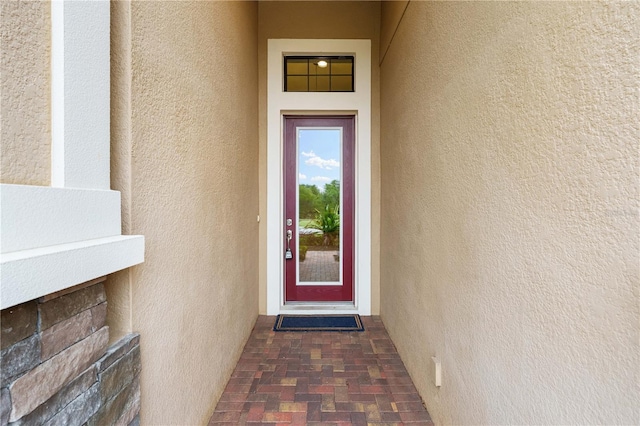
[{"x": 319, "y": 199}]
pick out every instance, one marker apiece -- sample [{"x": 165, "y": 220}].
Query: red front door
[{"x": 319, "y": 188}]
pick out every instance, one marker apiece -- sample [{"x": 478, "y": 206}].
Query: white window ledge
[
  {"x": 55, "y": 238},
  {"x": 42, "y": 216},
  {"x": 29, "y": 274}
]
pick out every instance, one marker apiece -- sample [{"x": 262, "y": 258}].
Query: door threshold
[{"x": 315, "y": 308}]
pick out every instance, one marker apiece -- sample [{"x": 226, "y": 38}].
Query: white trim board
[
  {"x": 41, "y": 216},
  {"x": 280, "y": 103},
  {"x": 80, "y": 94},
  {"x": 29, "y": 274},
  {"x": 55, "y": 238}
]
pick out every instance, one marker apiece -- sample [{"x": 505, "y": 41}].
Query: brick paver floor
[
  {"x": 313, "y": 378},
  {"x": 320, "y": 266}
]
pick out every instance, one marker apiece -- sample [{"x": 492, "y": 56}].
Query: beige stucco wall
[
  {"x": 186, "y": 154},
  {"x": 119, "y": 285},
  {"x": 317, "y": 20},
  {"x": 391, "y": 13},
  {"x": 25, "y": 95},
  {"x": 510, "y": 191}
]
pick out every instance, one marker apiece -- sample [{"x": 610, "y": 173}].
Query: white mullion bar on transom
[{"x": 80, "y": 94}]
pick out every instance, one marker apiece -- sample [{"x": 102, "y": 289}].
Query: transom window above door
[{"x": 318, "y": 73}]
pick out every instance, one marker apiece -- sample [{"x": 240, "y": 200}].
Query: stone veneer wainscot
[{"x": 56, "y": 368}]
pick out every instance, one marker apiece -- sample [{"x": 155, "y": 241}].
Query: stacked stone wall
[{"x": 56, "y": 368}]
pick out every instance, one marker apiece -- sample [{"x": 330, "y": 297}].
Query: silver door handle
[{"x": 287, "y": 254}]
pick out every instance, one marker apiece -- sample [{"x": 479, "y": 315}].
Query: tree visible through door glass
[{"x": 319, "y": 198}]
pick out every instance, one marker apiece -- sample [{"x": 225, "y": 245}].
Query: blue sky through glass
[{"x": 318, "y": 156}]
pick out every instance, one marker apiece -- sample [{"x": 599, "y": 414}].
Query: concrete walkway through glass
[{"x": 313, "y": 378}]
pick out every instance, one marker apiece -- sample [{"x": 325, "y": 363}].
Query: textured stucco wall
[
  {"x": 187, "y": 167},
  {"x": 318, "y": 20},
  {"x": 25, "y": 95},
  {"x": 390, "y": 15},
  {"x": 509, "y": 146},
  {"x": 119, "y": 284}
]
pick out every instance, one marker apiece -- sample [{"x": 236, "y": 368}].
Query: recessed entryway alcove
[{"x": 356, "y": 104}]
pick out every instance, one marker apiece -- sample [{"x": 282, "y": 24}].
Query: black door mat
[{"x": 318, "y": 323}]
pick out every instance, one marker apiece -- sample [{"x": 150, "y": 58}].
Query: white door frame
[{"x": 280, "y": 103}]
